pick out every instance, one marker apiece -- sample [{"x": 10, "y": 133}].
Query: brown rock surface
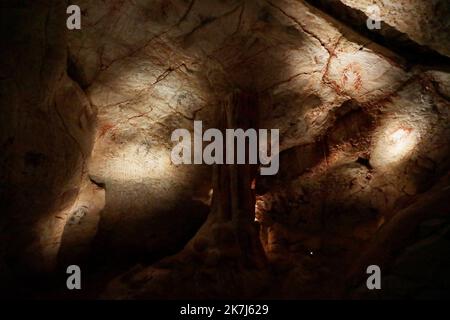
[{"x": 87, "y": 117}]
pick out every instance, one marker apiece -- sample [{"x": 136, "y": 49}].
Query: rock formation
[{"x": 86, "y": 175}]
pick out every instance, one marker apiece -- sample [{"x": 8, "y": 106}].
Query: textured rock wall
[
  {"x": 47, "y": 129},
  {"x": 363, "y": 119}
]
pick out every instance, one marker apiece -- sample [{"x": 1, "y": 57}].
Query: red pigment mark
[
  {"x": 352, "y": 75},
  {"x": 105, "y": 128}
]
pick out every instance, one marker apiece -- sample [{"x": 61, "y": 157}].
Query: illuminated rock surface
[{"x": 364, "y": 135}]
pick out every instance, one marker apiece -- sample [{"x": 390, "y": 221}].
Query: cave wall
[{"x": 87, "y": 118}]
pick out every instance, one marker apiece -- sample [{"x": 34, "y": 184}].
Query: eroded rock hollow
[{"x": 87, "y": 177}]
